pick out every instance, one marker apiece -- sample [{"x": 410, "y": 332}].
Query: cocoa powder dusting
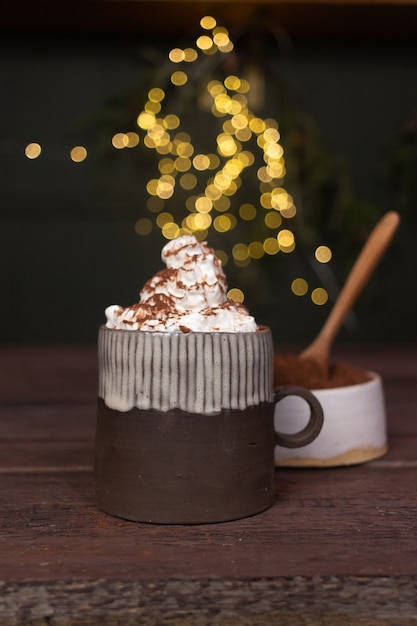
[{"x": 291, "y": 370}]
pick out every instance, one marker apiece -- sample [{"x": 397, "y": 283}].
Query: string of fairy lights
[{"x": 210, "y": 181}]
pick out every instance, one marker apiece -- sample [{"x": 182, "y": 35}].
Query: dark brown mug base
[{"x": 182, "y": 468}]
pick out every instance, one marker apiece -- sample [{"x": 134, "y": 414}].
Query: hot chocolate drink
[{"x": 185, "y": 423}]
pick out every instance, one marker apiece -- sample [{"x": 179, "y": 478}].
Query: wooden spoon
[{"x": 374, "y": 248}]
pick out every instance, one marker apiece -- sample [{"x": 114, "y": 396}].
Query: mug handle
[{"x": 314, "y": 425}]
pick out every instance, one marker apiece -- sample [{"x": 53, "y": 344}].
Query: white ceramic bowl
[{"x": 354, "y": 429}]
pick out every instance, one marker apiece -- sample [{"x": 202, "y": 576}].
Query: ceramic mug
[{"x": 185, "y": 425}]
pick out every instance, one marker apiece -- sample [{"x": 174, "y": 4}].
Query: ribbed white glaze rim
[{"x": 196, "y": 372}]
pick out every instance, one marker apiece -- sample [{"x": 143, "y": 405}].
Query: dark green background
[{"x": 67, "y": 243}]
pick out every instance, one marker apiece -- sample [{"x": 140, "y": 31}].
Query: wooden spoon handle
[{"x": 363, "y": 268}]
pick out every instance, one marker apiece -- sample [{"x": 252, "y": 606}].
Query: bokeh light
[
  {"x": 299, "y": 287},
  {"x": 323, "y": 254},
  {"x": 245, "y": 147},
  {"x": 319, "y": 296},
  {"x": 236, "y": 294},
  {"x": 78, "y": 154},
  {"x": 33, "y": 150}
]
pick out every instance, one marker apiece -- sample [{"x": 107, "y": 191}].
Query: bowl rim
[{"x": 375, "y": 380}]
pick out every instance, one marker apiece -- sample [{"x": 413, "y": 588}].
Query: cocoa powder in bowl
[{"x": 291, "y": 370}]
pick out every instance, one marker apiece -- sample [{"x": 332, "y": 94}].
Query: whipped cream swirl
[{"x": 188, "y": 295}]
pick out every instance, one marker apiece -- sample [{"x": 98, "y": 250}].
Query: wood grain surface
[{"x": 339, "y": 545}]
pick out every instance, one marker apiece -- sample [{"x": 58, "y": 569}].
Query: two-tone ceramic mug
[{"x": 185, "y": 425}]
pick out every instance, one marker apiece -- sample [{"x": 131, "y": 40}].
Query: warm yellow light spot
[
  {"x": 33, "y": 150},
  {"x": 132, "y": 139},
  {"x": 235, "y": 107},
  {"x": 190, "y": 55},
  {"x": 152, "y": 107},
  {"x": 243, "y": 134},
  {"x": 182, "y": 137},
  {"x": 208, "y": 22},
  {"x": 152, "y": 187},
  {"x": 214, "y": 161},
  {"x": 156, "y": 94},
  {"x": 271, "y": 245},
  {"x": 143, "y": 226},
  {"x": 265, "y": 200},
  {"x": 215, "y": 87},
  {"x": 220, "y": 30},
  {"x": 202, "y": 221},
  {"x": 286, "y": 240},
  {"x": 299, "y": 287},
  {"x": 226, "y": 145},
  {"x": 221, "y": 181},
  {"x": 224, "y": 44},
  {"x": 289, "y": 212},
  {"x": 190, "y": 203},
  {"x": 182, "y": 164},
  {"x": 154, "y": 204},
  {"x": 185, "y": 229},
  {"x": 119, "y": 141},
  {"x": 212, "y": 192},
  {"x": 276, "y": 169},
  {"x": 149, "y": 142},
  {"x": 165, "y": 187},
  {"x": 239, "y": 97},
  {"x": 222, "y": 102},
  {"x": 164, "y": 218},
  {"x": 228, "y": 128},
  {"x": 246, "y": 158},
  {"x": 78, "y": 154},
  {"x": 273, "y": 150},
  {"x": 247, "y": 212},
  {"x": 240, "y": 252},
  {"x": 225, "y": 222},
  {"x": 223, "y": 256},
  {"x": 271, "y": 123},
  {"x": 232, "y": 82},
  {"x": 236, "y": 295},
  {"x": 232, "y": 168},
  {"x": 256, "y": 250},
  {"x": 204, "y": 42},
  {"x": 264, "y": 175},
  {"x": 179, "y": 78},
  {"x": 158, "y": 135},
  {"x": 244, "y": 86},
  {"x": 203, "y": 204},
  {"x": 145, "y": 120},
  {"x": 233, "y": 186},
  {"x": 239, "y": 121},
  {"x": 222, "y": 204},
  {"x": 319, "y": 296},
  {"x": 257, "y": 125},
  {"x": 171, "y": 121},
  {"x": 201, "y": 235},
  {"x": 201, "y": 162},
  {"x": 273, "y": 219},
  {"x": 166, "y": 166},
  {"x": 221, "y": 39},
  {"x": 323, "y": 254},
  {"x": 198, "y": 221},
  {"x": 185, "y": 149},
  {"x": 171, "y": 230},
  {"x": 271, "y": 135},
  {"x": 188, "y": 181},
  {"x": 176, "y": 55},
  {"x": 165, "y": 148},
  {"x": 280, "y": 199}
]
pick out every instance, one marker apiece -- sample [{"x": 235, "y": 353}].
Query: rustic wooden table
[{"x": 338, "y": 547}]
